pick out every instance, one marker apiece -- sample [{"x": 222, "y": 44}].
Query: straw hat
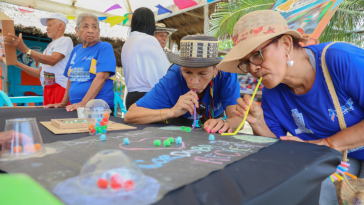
[
  {"x": 252, "y": 30},
  {"x": 197, "y": 51},
  {"x": 161, "y": 27}
]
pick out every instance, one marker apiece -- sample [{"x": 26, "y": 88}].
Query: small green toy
[
  {"x": 157, "y": 142},
  {"x": 171, "y": 139},
  {"x": 166, "y": 143},
  {"x": 188, "y": 129},
  {"x": 183, "y": 128}
]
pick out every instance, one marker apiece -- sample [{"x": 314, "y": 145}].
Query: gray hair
[{"x": 86, "y": 15}]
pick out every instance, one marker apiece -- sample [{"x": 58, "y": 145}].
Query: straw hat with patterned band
[
  {"x": 160, "y": 27},
  {"x": 197, "y": 51},
  {"x": 250, "y": 32}
]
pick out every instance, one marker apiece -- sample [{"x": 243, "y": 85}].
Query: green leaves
[{"x": 347, "y": 24}]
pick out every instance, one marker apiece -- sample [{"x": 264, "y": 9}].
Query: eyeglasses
[
  {"x": 255, "y": 58},
  {"x": 201, "y": 110}
]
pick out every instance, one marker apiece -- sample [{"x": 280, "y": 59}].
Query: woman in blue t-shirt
[
  {"x": 90, "y": 66},
  {"x": 296, "y": 98},
  {"x": 192, "y": 81}
]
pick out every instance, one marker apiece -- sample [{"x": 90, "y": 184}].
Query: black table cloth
[{"x": 284, "y": 173}]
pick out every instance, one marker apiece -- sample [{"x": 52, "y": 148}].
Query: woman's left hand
[
  {"x": 294, "y": 138},
  {"x": 217, "y": 125},
  {"x": 73, "y": 107}
]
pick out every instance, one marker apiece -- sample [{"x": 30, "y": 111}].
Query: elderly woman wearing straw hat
[
  {"x": 296, "y": 98},
  {"x": 192, "y": 81}
]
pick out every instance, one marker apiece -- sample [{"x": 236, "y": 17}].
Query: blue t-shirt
[
  {"x": 167, "y": 91},
  {"x": 82, "y": 67},
  {"x": 312, "y": 115}
]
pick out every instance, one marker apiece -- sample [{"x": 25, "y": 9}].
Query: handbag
[{"x": 348, "y": 191}]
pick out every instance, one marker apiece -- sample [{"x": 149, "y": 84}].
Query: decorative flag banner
[
  {"x": 209, "y": 1},
  {"x": 71, "y": 17},
  {"x": 182, "y": 4},
  {"x": 101, "y": 18},
  {"x": 162, "y": 10},
  {"x": 128, "y": 16},
  {"x": 113, "y": 20},
  {"x": 116, "y": 6},
  {"x": 307, "y": 16},
  {"x": 25, "y": 10}
]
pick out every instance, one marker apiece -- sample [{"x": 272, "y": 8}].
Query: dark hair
[{"x": 143, "y": 21}]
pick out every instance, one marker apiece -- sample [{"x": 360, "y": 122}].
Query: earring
[{"x": 289, "y": 62}]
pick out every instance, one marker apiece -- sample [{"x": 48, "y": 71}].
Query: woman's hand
[
  {"x": 57, "y": 105},
  {"x": 294, "y": 138},
  {"x": 73, "y": 107},
  {"x": 255, "y": 112},
  {"x": 217, "y": 125},
  {"x": 185, "y": 104}
]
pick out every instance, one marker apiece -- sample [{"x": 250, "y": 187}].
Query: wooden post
[{"x": 206, "y": 19}]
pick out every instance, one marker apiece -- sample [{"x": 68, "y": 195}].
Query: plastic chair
[
  {"x": 120, "y": 102},
  {"x": 5, "y": 99}
]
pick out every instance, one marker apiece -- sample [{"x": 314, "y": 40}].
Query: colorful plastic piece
[
  {"x": 341, "y": 169},
  {"x": 167, "y": 143},
  {"x": 99, "y": 119},
  {"x": 106, "y": 115},
  {"x": 91, "y": 127},
  {"x": 17, "y": 149},
  {"x": 171, "y": 139},
  {"x": 157, "y": 142},
  {"x": 188, "y": 129},
  {"x": 103, "y": 131},
  {"x": 102, "y": 123},
  {"x": 103, "y": 137},
  {"x": 66, "y": 122},
  {"x": 37, "y": 146},
  {"x": 129, "y": 185},
  {"x": 115, "y": 185},
  {"x": 126, "y": 141},
  {"x": 211, "y": 137},
  {"x": 117, "y": 178},
  {"x": 104, "y": 127},
  {"x": 102, "y": 183},
  {"x": 183, "y": 128},
  {"x": 75, "y": 121},
  {"x": 97, "y": 124},
  {"x": 93, "y": 130},
  {"x": 105, "y": 119},
  {"x": 179, "y": 140}
]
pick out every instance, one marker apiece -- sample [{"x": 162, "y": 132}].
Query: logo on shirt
[
  {"x": 78, "y": 75},
  {"x": 300, "y": 122},
  {"x": 87, "y": 58},
  {"x": 73, "y": 59},
  {"x": 345, "y": 109}
]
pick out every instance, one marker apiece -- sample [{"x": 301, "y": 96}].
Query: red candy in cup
[
  {"x": 115, "y": 185},
  {"x": 129, "y": 185},
  {"x": 102, "y": 183}
]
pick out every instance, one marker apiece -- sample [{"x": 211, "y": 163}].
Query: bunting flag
[
  {"x": 113, "y": 20},
  {"x": 25, "y": 10},
  {"x": 101, "y": 18},
  {"x": 116, "y": 6},
  {"x": 182, "y": 4},
  {"x": 128, "y": 16},
  {"x": 71, "y": 17},
  {"x": 162, "y": 10}
]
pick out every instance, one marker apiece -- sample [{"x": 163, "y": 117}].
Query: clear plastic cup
[
  {"x": 115, "y": 170},
  {"x": 21, "y": 138},
  {"x": 80, "y": 112},
  {"x": 97, "y": 113}
]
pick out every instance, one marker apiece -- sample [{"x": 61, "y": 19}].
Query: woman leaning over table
[
  {"x": 89, "y": 68},
  {"x": 296, "y": 98}
]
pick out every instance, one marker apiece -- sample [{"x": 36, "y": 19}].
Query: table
[{"x": 284, "y": 173}]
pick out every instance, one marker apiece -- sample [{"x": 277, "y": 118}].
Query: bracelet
[
  {"x": 328, "y": 142},
  {"x": 160, "y": 113}
]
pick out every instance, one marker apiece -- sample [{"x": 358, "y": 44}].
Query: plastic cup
[
  {"x": 21, "y": 138},
  {"x": 80, "y": 112},
  {"x": 97, "y": 113},
  {"x": 114, "y": 170}
]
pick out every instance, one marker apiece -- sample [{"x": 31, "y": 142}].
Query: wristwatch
[{"x": 28, "y": 53}]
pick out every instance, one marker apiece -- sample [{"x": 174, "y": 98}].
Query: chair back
[{"x": 4, "y": 98}]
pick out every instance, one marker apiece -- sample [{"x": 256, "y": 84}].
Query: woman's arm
[
  {"x": 31, "y": 71},
  {"x": 141, "y": 115},
  {"x": 65, "y": 100},
  {"x": 97, "y": 84},
  {"x": 348, "y": 138}
]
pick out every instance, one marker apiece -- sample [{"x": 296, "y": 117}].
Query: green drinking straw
[{"x": 247, "y": 111}]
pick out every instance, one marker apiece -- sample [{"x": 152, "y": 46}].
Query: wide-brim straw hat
[
  {"x": 196, "y": 51},
  {"x": 250, "y": 32},
  {"x": 161, "y": 27}
]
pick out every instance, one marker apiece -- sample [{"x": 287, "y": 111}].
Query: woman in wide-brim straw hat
[
  {"x": 192, "y": 81},
  {"x": 296, "y": 98}
]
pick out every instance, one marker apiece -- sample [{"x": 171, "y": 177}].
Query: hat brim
[
  {"x": 192, "y": 62},
  {"x": 231, "y": 60},
  {"x": 168, "y": 30},
  {"x": 43, "y": 21}
]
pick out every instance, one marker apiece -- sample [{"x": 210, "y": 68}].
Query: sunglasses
[
  {"x": 255, "y": 58},
  {"x": 201, "y": 110}
]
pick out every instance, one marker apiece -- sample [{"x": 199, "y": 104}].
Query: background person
[
  {"x": 53, "y": 60},
  {"x": 295, "y": 95},
  {"x": 162, "y": 33},
  {"x": 89, "y": 67},
  {"x": 143, "y": 59},
  {"x": 174, "y": 97}
]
